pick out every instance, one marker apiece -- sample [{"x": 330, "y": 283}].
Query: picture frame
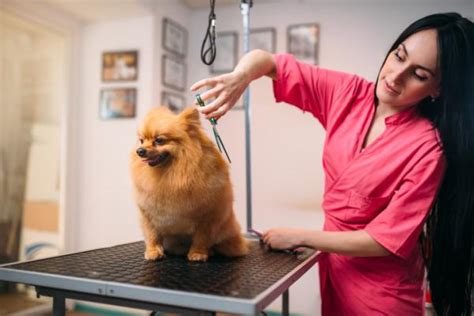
[
  {"x": 120, "y": 66},
  {"x": 303, "y": 42},
  {"x": 117, "y": 103},
  {"x": 174, "y": 37},
  {"x": 174, "y": 101},
  {"x": 263, "y": 38},
  {"x": 226, "y": 55},
  {"x": 173, "y": 73}
]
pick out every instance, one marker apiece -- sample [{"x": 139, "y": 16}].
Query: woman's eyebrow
[{"x": 419, "y": 66}]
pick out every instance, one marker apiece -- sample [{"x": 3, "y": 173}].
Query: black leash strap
[{"x": 209, "y": 55}]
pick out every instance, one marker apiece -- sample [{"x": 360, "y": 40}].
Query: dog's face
[{"x": 163, "y": 135}]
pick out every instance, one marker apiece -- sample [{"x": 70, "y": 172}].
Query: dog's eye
[
  {"x": 159, "y": 141},
  {"x": 141, "y": 140}
]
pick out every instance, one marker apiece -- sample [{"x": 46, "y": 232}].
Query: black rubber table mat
[{"x": 243, "y": 277}]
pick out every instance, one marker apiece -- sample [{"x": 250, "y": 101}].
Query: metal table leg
[
  {"x": 285, "y": 310},
  {"x": 59, "y": 305},
  {"x": 60, "y": 296}
]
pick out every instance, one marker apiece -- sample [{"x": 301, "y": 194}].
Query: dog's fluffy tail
[{"x": 235, "y": 246}]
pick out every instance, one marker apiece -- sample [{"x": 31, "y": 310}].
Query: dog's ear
[{"x": 191, "y": 116}]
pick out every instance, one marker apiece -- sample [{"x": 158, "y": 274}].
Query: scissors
[
  {"x": 256, "y": 232},
  {"x": 219, "y": 142}
]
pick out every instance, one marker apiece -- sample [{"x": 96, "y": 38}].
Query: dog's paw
[
  {"x": 155, "y": 253},
  {"x": 196, "y": 256}
]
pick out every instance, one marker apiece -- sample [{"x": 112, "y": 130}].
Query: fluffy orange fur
[{"x": 183, "y": 189}]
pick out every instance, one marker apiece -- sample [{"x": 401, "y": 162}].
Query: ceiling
[
  {"x": 97, "y": 10},
  {"x": 198, "y": 4},
  {"x": 195, "y": 4},
  {"x": 89, "y": 11}
]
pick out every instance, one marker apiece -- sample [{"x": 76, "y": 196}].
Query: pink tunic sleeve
[
  {"x": 399, "y": 225},
  {"x": 313, "y": 89}
]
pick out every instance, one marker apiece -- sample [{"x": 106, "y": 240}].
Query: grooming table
[{"x": 120, "y": 275}]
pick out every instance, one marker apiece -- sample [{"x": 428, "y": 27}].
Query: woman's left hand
[{"x": 283, "y": 238}]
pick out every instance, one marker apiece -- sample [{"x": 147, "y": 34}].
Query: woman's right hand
[{"x": 226, "y": 89}]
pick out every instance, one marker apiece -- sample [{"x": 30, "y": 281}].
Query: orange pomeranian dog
[{"x": 183, "y": 189}]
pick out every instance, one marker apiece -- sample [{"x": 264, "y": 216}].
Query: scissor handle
[{"x": 201, "y": 103}]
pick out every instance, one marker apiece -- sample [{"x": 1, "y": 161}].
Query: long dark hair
[{"x": 448, "y": 244}]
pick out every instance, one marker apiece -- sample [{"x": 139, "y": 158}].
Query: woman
[{"x": 396, "y": 152}]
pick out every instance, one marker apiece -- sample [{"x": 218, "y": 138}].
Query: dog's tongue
[
  {"x": 153, "y": 163},
  {"x": 157, "y": 160}
]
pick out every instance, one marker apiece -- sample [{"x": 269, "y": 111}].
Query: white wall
[
  {"x": 286, "y": 145},
  {"x": 106, "y": 213}
]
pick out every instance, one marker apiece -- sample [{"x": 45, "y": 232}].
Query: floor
[{"x": 13, "y": 302}]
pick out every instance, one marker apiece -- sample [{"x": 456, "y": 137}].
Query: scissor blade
[
  {"x": 219, "y": 140},
  {"x": 216, "y": 136}
]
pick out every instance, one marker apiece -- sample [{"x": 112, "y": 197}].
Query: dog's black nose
[{"x": 141, "y": 152}]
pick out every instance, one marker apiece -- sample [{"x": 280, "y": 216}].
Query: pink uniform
[{"x": 387, "y": 189}]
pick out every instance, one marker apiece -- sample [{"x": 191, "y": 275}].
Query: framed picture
[
  {"x": 303, "y": 42},
  {"x": 175, "y": 37},
  {"x": 118, "y": 103},
  {"x": 173, "y": 73},
  {"x": 120, "y": 66},
  {"x": 226, "y": 55},
  {"x": 175, "y": 102},
  {"x": 263, "y": 38}
]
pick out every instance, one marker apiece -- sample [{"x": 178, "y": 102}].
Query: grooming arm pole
[{"x": 245, "y": 10}]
